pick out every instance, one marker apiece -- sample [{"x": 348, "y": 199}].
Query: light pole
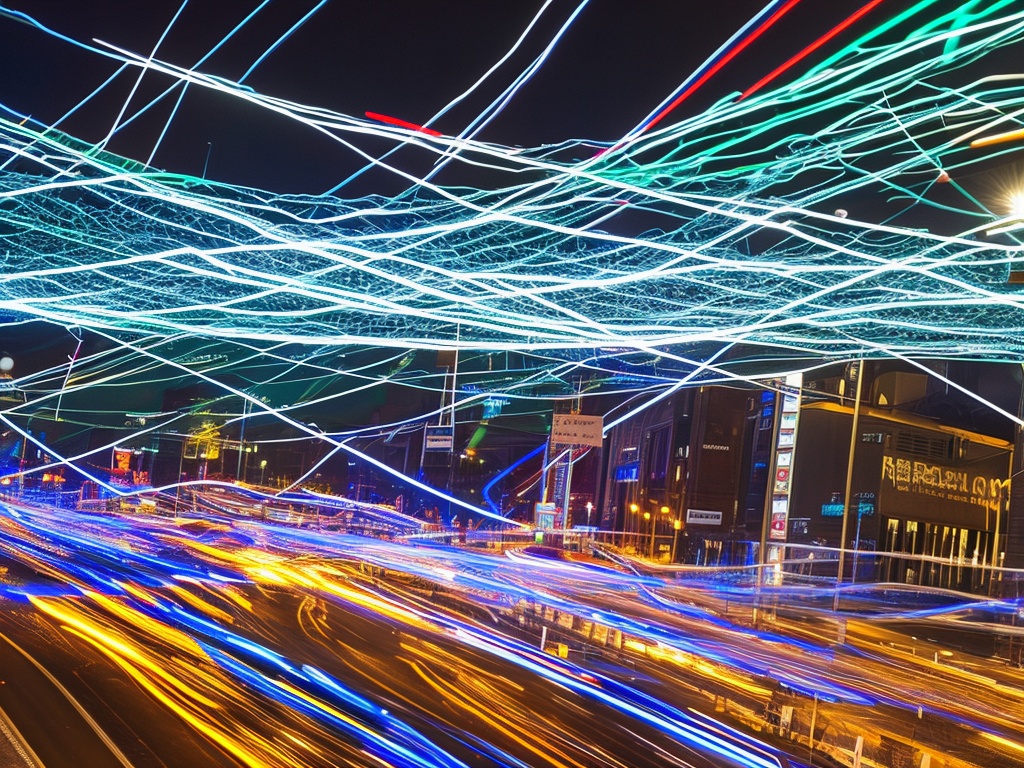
[
  {"x": 849, "y": 483},
  {"x": 856, "y": 543},
  {"x": 634, "y": 523},
  {"x": 263, "y": 470},
  {"x": 177, "y": 485},
  {"x": 647, "y": 516},
  {"x": 654, "y": 527},
  {"x": 246, "y": 407},
  {"x": 677, "y": 524}
]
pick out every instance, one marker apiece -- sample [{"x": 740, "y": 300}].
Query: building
[
  {"x": 930, "y": 478},
  {"x": 686, "y": 459}
]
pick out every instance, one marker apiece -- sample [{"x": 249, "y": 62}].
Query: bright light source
[{"x": 1017, "y": 205}]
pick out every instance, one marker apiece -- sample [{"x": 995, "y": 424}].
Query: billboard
[
  {"x": 704, "y": 516},
  {"x": 546, "y": 515},
  {"x": 972, "y": 495},
  {"x": 785, "y": 445}
]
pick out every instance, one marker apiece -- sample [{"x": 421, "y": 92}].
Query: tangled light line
[{"x": 718, "y": 247}]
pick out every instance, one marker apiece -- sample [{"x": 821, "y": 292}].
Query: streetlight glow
[{"x": 1017, "y": 205}]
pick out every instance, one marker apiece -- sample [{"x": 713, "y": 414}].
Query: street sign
[
  {"x": 438, "y": 438},
  {"x": 546, "y": 515}
]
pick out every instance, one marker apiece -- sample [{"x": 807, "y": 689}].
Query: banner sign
[{"x": 785, "y": 445}]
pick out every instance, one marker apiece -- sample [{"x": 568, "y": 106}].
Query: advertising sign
[
  {"x": 780, "y": 516},
  {"x": 972, "y": 495},
  {"x": 544, "y": 515},
  {"x": 785, "y": 445}
]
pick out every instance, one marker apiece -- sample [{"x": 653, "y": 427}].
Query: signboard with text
[
  {"x": 704, "y": 516},
  {"x": 577, "y": 429},
  {"x": 974, "y": 495},
  {"x": 438, "y": 438}
]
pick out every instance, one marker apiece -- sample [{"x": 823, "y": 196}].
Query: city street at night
[
  {"x": 177, "y": 641},
  {"x": 476, "y": 384}
]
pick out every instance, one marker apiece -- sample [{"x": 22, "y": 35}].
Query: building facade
[{"x": 929, "y": 483}]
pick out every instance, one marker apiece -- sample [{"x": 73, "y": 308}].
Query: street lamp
[
  {"x": 677, "y": 524},
  {"x": 654, "y": 527},
  {"x": 263, "y": 470},
  {"x": 633, "y": 523}
]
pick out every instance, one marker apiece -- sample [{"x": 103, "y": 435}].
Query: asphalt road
[{"x": 155, "y": 642}]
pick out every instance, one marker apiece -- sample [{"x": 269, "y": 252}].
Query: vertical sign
[
  {"x": 785, "y": 445},
  {"x": 545, "y": 515}
]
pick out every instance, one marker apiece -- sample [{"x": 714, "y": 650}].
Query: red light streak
[
  {"x": 402, "y": 123},
  {"x": 808, "y": 50},
  {"x": 722, "y": 62}
]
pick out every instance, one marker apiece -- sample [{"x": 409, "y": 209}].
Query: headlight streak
[
  {"x": 163, "y": 611},
  {"x": 670, "y": 645},
  {"x": 373, "y": 741},
  {"x": 183, "y": 624},
  {"x": 662, "y": 636}
]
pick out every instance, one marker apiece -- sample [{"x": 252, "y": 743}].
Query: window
[{"x": 657, "y": 457}]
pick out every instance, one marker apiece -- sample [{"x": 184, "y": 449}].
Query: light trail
[
  {"x": 792, "y": 62},
  {"x": 712, "y": 250},
  {"x": 219, "y": 661}
]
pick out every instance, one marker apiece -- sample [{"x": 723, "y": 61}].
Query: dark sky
[{"x": 404, "y": 58}]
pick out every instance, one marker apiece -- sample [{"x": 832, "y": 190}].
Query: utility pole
[
  {"x": 246, "y": 407},
  {"x": 849, "y": 482}
]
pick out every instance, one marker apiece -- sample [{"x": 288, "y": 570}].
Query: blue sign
[
  {"x": 627, "y": 473},
  {"x": 438, "y": 438},
  {"x": 865, "y": 508}
]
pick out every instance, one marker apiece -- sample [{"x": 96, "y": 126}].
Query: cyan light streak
[{"x": 741, "y": 243}]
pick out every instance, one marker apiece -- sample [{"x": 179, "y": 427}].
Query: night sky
[
  {"x": 404, "y": 58},
  {"x": 397, "y": 57}
]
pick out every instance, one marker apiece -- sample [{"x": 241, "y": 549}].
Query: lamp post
[
  {"x": 177, "y": 484},
  {"x": 21, "y": 461},
  {"x": 634, "y": 524},
  {"x": 647, "y": 516},
  {"x": 849, "y": 482},
  {"x": 654, "y": 527},
  {"x": 677, "y": 524},
  {"x": 263, "y": 470}
]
